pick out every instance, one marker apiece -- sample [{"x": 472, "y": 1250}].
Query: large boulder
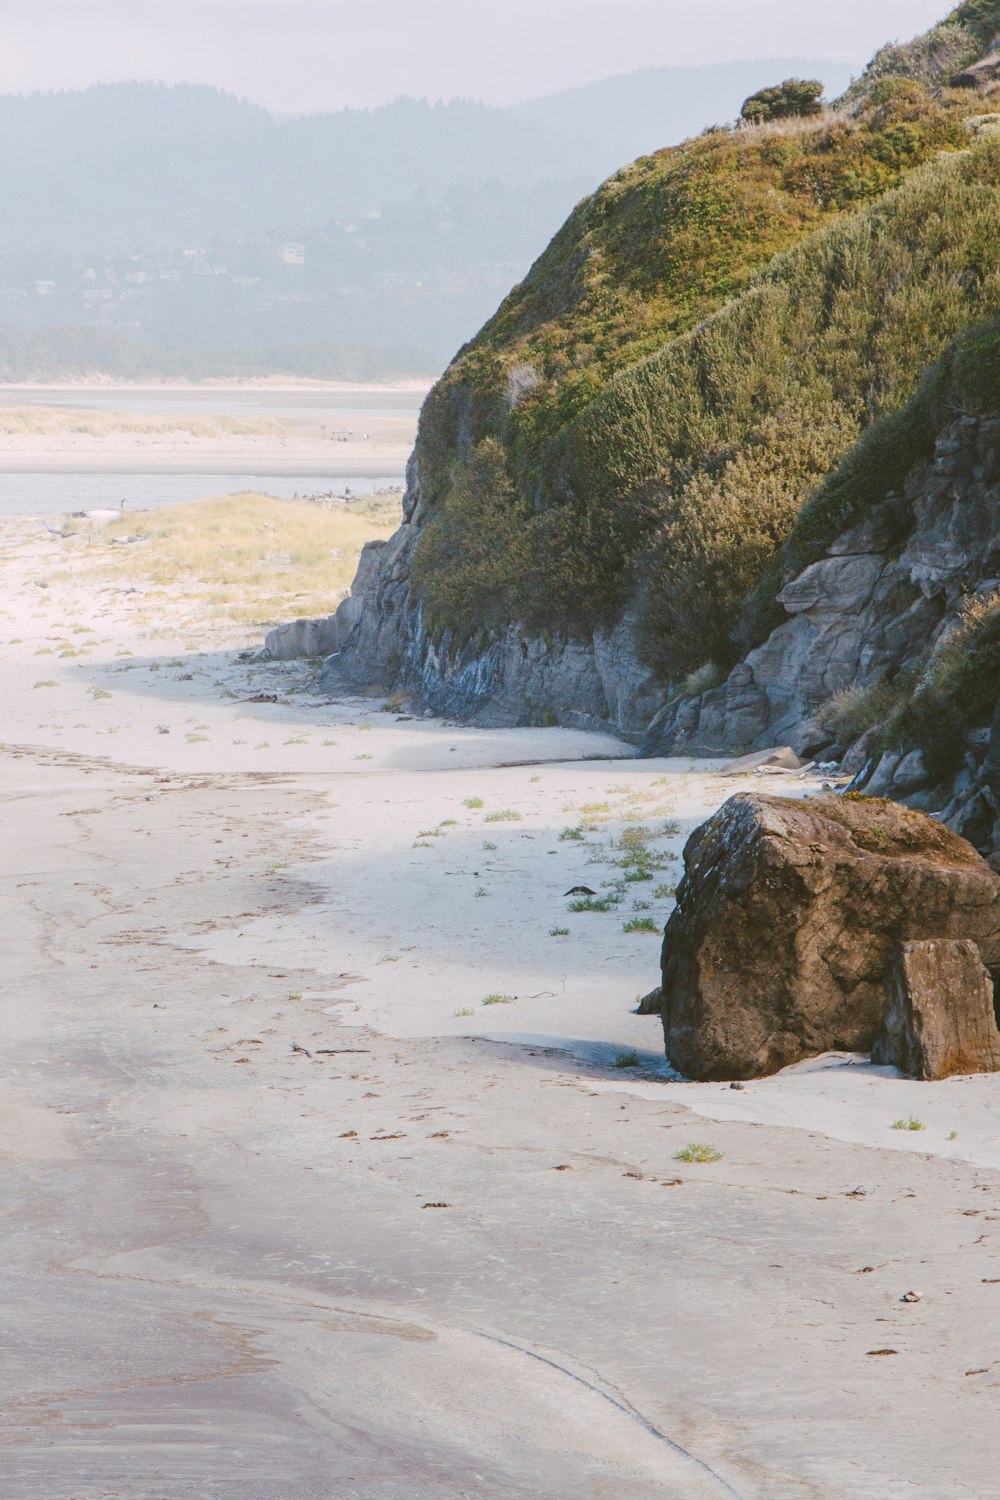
[
  {"x": 940, "y": 1018},
  {"x": 785, "y": 920}
]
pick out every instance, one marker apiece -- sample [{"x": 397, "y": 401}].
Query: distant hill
[
  {"x": 633, "y": 114},
  {"x": 141, "y": 165},
  {"x": 165, "y": 218}
]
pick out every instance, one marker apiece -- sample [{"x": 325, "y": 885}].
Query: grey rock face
[
  {"x": 515, "y": 679},
  {"x": 884, "y": 598},
  {"x": 940, "y": 1019},
  {"x": 303, "y": 638}
]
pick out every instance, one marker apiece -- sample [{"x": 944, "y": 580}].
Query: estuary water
[{"x": 344, "y": 440}]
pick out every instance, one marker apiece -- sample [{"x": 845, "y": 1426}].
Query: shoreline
[
  {"x": 415, "y": 385},
  {"x": 205, "y": 463}
]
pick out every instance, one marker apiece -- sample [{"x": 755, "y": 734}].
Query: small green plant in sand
[
  {"x": 432, "y": 833},
  {"x": 295, "y": 995},
  {"x": 329, "y": 744},
  {"x": 953, "y": 1135},
  {"x": 296, "y": 739},
  {"x": 698, "y": 1152},
  {"x": 664, "y": 892},
  {"x": 558, "y": 932},
  {"x": 45, "y": 651},
  {"x": 448, "y": 823},
  {"x": 910, "y": 1123},
  {"x": 263, "y": 745},
  {"x": 572, "y": 835},
  {"x": 489, "y": 848},
  {"x": 595, "y": 903},
  {"x": 389, "y": 958},
  {"x": 481, "y": 891},
  {"x": 45, "y": 682},
  {"x": 421, "y": 844},
  {"x": 362, "y": 757},
  {"x": 465, "y": 1011},
  {"x": 472, "y": 803},
  {"x": 98, "y": 692},
  {"x": 641, "y": 924},
  {"x": 196, "y": 739},
  {"x": 506, "y": 815},
  {"x": 499, "y": 999},
  {"x": 627, "y": 1060}
]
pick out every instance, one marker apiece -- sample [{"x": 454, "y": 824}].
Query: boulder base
[
  {"x": 940, "y": 1019},
  {"x": 785, "y": 920}
]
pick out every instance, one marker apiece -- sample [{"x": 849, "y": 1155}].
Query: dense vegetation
[
  {"x": 796, "y": 98},
  {"x": 931, "y": 705},
  {"x": 642, "y": 421}
]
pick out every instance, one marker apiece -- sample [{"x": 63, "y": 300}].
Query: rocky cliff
[
  {"x": 895, "y": 607},
  {"x": 608, "y": 475}
]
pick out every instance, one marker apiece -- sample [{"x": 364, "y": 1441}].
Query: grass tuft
[{"x": 698, "y": 1152}]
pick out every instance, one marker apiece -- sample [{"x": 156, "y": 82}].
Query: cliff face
[
  {"x": 512, "y": 678},
  {"x": 606, "y": 473},
  {"x": 870, "y": 626}
]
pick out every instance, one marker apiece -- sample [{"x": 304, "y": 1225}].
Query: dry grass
[
  {"x": 253, "y": 558},
  {"x": 57, "y": 421}
]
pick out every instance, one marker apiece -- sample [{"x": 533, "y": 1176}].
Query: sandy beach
[
  {"x": 305, "y": 429},
  {"x": 337, "y": 1161}
]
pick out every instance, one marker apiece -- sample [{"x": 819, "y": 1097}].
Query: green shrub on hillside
[
  {"x": 679, "y": 475},
  {"x": 794, "y": 97},
  {"x": 958, "y": 692},
  {"x": 966, "y": 379}
]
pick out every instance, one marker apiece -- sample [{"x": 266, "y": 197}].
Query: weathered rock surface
[
  {"x": 886, "y": 596},
  {"x": 323, "y": 637},
  {"x": 940, "y": 1019},
  {"x": 886, "y": 591},
  {"x": 785, "y": 920},
  {"x": 298, "y": 638},
  {"x": 984, "y": 74},
  {"x": 516, "y": 679}
]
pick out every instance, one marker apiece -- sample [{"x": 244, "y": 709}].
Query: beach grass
[{"x": 250, "y": 557}]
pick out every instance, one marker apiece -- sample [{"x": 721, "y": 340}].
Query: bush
[
  {"x": 796, "y": 96},
  {"x": 666, "y": 449}
]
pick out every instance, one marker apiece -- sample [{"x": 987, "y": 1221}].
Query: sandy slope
[{"x": 429, "y": 1255}]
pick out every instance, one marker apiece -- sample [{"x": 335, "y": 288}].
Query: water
[
  {"x": 384, "y": 415},
  {"x": 56, "y": 494}
]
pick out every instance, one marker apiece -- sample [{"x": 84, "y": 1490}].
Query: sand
[
  {"x": 367, "y": 431},
  {"x": 280, "y": 1222}
]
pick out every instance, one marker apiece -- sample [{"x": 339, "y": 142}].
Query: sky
[{"x": 297, "y": 56}]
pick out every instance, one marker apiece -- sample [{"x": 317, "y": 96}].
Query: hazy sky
[{"x": 300, "y": 55}]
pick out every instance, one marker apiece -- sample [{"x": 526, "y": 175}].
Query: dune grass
[
  {"x": 253, "y": 558},
  {"x": 58, "y": 421}
]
